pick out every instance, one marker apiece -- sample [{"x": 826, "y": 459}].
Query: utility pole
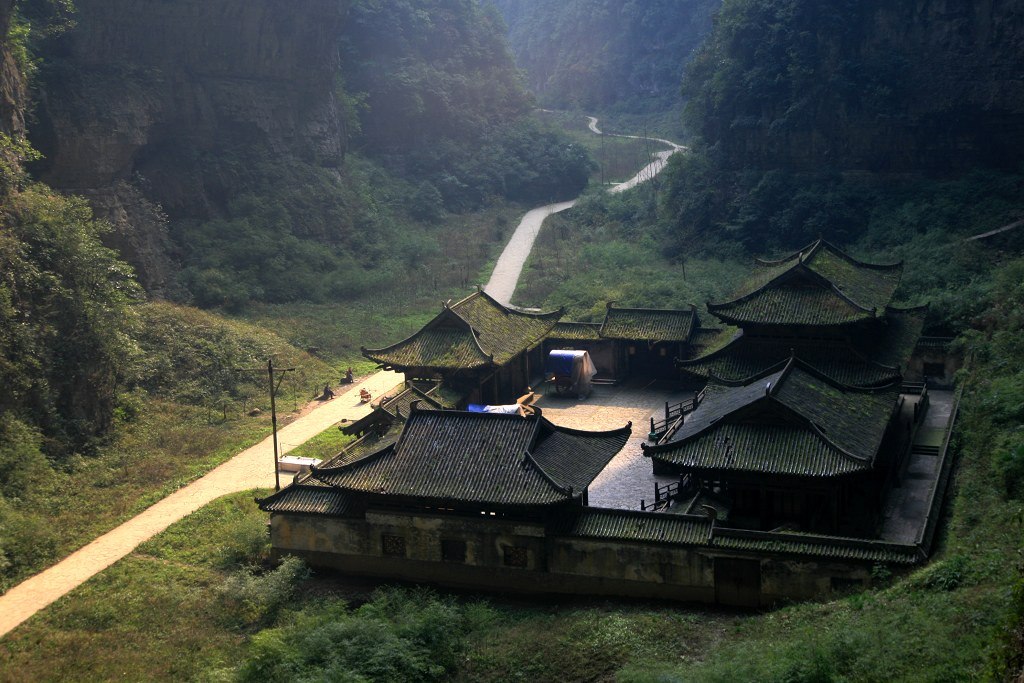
[
  {"x": 273, "y": 407},
  {"x": 604, "y": 159}
]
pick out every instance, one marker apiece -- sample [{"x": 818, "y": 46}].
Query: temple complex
[{"x": 799, "y": 455}]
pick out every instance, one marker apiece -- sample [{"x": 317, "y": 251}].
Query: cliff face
[
  {"x": 905, "y": 85},
  {"x": 12, "y": 87},
  {"x": 136, "y": 101},
  {"x": 598, "y": 53}
]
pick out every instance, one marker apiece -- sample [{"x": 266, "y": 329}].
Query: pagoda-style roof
[
  {"x": 880, "y": 360},
  {"x": 793, "y": 422},
  {"x": 307, "y": 497},
  {"x": 708, "y": 340},
  {"x": 817, "y": 286},
  {"x": 480, "y": 458},
  {"x": 649, "y": 324},
  {"x": 903, "y": 328},
  {"x": 474, "y": 333}
]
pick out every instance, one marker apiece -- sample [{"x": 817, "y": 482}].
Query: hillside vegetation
[
  {"x": 323, "y": 185},
  {"x": 273, "y": 154}
]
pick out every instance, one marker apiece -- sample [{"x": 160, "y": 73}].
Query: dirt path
[
  {"x": 997, "y": 231},
  {"x": 249, "y": 469},
  {"x": 509, "y": 267}
]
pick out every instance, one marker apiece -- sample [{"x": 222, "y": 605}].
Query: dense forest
[
  {"x": 849, "y": 121},
  {"x": 606, "y": 54}
]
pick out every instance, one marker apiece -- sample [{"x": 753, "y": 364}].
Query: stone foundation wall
[{"x": 554, "y": 564}]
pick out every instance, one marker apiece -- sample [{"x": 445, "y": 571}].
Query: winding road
[{"x": 507, "y": 271}]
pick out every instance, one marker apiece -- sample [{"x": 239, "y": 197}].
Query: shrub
[{"x": 255, "y": 598}]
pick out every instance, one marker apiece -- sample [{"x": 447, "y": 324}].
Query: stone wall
[{"x": 553, "y": 564}]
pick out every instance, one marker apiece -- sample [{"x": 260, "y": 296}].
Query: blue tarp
[{"x": 561, "y": 362}]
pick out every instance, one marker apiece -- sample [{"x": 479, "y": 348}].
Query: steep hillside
[
  {"x": 596, "y": 54},
  {"x": 12, "y": 87},
  {"x": 213, "y": 135},
  {"x": 880, "y": 86},
  {"x": 822, "y": 118}
]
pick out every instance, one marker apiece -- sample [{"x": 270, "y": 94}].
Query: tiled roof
[
  {"x": 648, "y": 324},
  {"x": 831, "y": 547},
  {"x": 745, "y": 357},
  {"x": 697, "y": 530},
  {"x": 631, "y": 525},
  {"x": 791, "y": 422},
  {"x": 818, "y": 285},
  {"x": 504, "y": 332},
  {"x": 309, "y": 498},
  {"x": 369, "y": 443},
  {"x": 481, "y": 458},
  {"x": 708, "y": 340},
  {"x": 572, "y": 331},
  {"x": 400, "y": 405},
  {"x": 903, "y": 331},
  {"x": 441, "y": 346},
  {"x": 397, "y": 407},
  {"x": 473, "y": 333}
]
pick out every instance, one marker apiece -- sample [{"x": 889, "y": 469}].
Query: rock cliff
[
  {"x": 602, "y": 53},
  {"x": 12, "y": 87},
  {"x": 142, "y": 94}
]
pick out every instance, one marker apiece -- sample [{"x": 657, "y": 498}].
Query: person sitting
[
  {"x": 328, "y": 393},
  {"x": 348, "y": 376},
  {"x": 364, "y": 395}
]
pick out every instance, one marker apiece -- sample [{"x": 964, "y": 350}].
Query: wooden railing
[
  {"x": 938, "y": 492},
  {"x": 665, "y": 493},
  {"x": 674, "y": 413}
]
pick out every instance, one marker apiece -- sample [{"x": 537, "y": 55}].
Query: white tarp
[{"x": 576, "y": 366}]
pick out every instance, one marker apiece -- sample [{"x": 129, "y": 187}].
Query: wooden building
[
  {"x": 631, "y": 341},
  {"x": 784, "y": 464},
  {"x": 477, "y": 346},
  {"x": 498, "y": 502},
  {"x": 819, "y": 304},
  {"x": 790, "y": 447}
]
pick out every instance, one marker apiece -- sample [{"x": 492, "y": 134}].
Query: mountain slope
[{"x": 595, "y": 54}]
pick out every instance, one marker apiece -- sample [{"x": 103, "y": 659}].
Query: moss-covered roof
[
  {"x": 699, "y": 531},
  {"x": 745, "y": 357},
  {"x": 474, "y": 333},
  {"x": 480, "y": 458},
  {"x": 308, "y": 497},
  {"x": 792, "y": 422},
  {"x": 818, "y": 285},
  {"x": 903, "y": 328},
  {"x": 812, "y": 545},
  {"x": 573, "y": 331},
  {"x": 649, "y": 324},
  {"x": 707, "y": 340}
]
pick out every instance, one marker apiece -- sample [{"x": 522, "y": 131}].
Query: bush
[
  {"x": 255, "y": 598},
  {"x": 399, "y": 635}
]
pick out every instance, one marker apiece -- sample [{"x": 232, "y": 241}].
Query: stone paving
[
  {"x": 907, "y": 508},
  {"x": 628, "y": 478}
]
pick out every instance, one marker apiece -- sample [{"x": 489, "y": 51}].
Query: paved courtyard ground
[{"x": 627, "y": 479}]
